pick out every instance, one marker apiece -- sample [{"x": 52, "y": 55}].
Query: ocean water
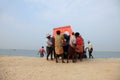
[
  {"x": 34, "y": 53},
  {"x": 106, "y": 54},
  {"x": 19, "y": 52}
]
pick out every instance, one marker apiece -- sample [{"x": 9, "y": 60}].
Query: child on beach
[{"x": 41, "y": 51}]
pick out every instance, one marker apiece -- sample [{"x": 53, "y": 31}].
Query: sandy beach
[{"x": 35, "y": 68}]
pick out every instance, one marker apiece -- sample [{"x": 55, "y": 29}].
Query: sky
[{"x": 25, "y": 23}]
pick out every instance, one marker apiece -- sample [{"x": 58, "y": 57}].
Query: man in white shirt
[
  {"x": 90, "y": 49},
  {"x": 71, "y": 49},
  {"x": 72, "y": 40},
  {"x": 49, "y": 48}
]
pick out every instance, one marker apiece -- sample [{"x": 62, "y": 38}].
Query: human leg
[
  {"x": 51, "y": 52},
  {"x": 48, "y": 52},
  {"x": 41, "y": 54},
  {"x": 63, "y": 58},
  {"x": 81, "y": 56},
  {"x": 90, "y": 55},
  {"x": 56, "y": 56}
]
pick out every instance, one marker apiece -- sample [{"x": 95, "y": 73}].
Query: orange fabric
[
  {"x": 79, "y": 48},
  {"x": 62, "y": 29},
  {"x": 59, "y": 50}
]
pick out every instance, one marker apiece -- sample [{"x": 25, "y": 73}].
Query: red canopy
[{"x": 62, "y": 29}]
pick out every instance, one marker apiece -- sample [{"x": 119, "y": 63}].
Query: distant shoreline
[
  {"x": 38, "y": 49},
  {"x": 20, "y": 52}
]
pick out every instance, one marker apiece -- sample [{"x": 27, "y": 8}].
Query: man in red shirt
[
  {"x": 79, "y": 45},
  {"x": 41, "y": 51}
]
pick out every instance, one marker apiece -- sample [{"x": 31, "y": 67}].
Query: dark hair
[
  {"x": 58, "y": 32},
  {"x": 42, "y": 46},
  {"x": 77, "y": 34},
  {"x": 72, "y": 33}
]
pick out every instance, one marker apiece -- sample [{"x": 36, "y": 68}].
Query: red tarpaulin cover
[{"x": 63, "y": 29}]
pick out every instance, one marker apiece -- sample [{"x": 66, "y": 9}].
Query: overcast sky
[{"x": 25, "y": 23}]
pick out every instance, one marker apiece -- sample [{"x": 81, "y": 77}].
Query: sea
[{"x": 34, "y": 53}]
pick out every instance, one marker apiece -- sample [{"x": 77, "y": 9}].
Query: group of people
[{"x": 65, "y": 47}]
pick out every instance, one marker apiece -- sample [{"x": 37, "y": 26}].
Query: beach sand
[{"x": 35, "y": 68}]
